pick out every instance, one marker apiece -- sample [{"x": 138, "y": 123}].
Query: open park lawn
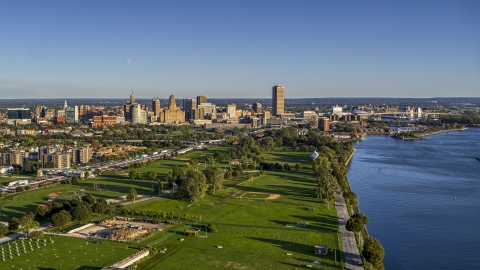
[
  {"x": 254, "y": 233},
  {"x": 64, "y": 253},
  {"x": 107, "y": 187}
]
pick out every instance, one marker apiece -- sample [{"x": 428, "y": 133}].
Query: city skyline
[{"x": 232, "y": 50}]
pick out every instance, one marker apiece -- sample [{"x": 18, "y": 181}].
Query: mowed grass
[
  {"x": 66, "y": 253},
  {"x": 253, "y": 233},
  {"x": 110, "y": 187},
  {"x": 244, "y": 247}
]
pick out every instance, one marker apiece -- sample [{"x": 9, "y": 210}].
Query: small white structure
[
  {"x": 18, "y": 183},
  {"x": 314, "y": 155},
  {"x": 6, "y": 169}
]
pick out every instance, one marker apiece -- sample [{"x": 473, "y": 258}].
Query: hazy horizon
[{"x": 316, "y": 49}]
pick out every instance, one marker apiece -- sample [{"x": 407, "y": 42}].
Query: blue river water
[{"x": 422, "y": 198}]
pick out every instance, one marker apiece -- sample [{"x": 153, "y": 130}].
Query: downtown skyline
[{"x": 232, "y": 50}]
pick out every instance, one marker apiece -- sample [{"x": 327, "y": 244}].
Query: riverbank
[{"x": 421, "y": 136}]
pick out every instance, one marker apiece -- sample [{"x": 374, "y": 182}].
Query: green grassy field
[
  {"x": 255, "y": 233},
  {"x": 65, "y": 253}
]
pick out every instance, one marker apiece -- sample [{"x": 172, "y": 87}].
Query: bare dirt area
[
  {"x": 259, "y": 195},
  {"x": 108, "y": 227},
  {"x": 183, "y": 159}
]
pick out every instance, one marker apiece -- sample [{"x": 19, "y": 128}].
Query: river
[{"x": 422, "y": 198}]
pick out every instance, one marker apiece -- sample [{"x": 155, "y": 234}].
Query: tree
[
  {"x": 97, "y": 172},
  {"x": 373, "y": 251},
  {"x": 287, "y": 167},
  {"x": 298, "y": 166},
  {"x": 211, "y": 228},
  {"x": 152, "y": 175},
  {"x": 28, "y": 223},
  {"x": 325, "y": 187},
  {"x": 36, "y": 235},
  {"x": 215, "y": 177},
  {"x": 41, "y": 211},
  {"x": 86, "y": 174},
  {"x": 361, "y": 217},
  {"x": 88, "y": 198},
  {"x": 74, "y": 180},
  {"x": 13, "y": 224},
  {"x": 61, "y": 219},
  {"x": 100, "y": 206},
  {"x": 133, "y": 174},
  {"x": 132, "y": 194},
  {"x": 193, "y": 187},
  {"x": 354, "y": 225},
  {"x": 81, "y": 212},
  {"x": 3, "y": 230},
  {"x": 321, "y": 167},
  {"x": 158, "y": 187},
  {"x": 19, "y": 189}
]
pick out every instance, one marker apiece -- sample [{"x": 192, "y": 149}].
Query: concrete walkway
[
  {"x": 15, "y": 236},
  {"x": 350, "y": 248}
]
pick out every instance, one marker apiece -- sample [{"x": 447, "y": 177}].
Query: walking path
[
  {"x": 14, "y": 236},
  {"x": 350, "y": 248}
]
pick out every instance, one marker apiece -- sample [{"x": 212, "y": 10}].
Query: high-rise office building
[
  {"x": 278, "y": 100},
  {"x": 84, "y": 112},
  {"x": 189, "y": 105},
  {"x": 231, "y": 109},
  {"x": 257, "y": 107},
  {"x": 18, "y": 113},
  {"x": 172, "y": 114},
  {"x": 201, "y": 99},
  {"x": 156, "y": 106},
  {"x": 70, "y": 114},
  {"x": 139, "y": 115}
]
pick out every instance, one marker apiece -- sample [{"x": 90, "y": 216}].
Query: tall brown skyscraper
[
  {"x": 257, "y": 107},
  {"x": 201, "y": 99},
  {"x": 278, "y": 100},
  {"x": 156, "y": 106}
]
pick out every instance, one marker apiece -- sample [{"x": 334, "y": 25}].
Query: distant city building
[
  {"x": 201, "y": 100},
  {"x": 81, "y": 155},
  {"x": 104, "y": 120},
  {"x": 337, "y": 110},
  {"x": 156, "y": 107},
  {"x": 324, "y": 123},
  {"x": 138, "y": 114},
  {"x": 278, "y": 100},
  {"x": 19, "y": 116},
  {"x": 172, "y": 115},
  {"x": 231, "y": 110},
  {"x": 189, "y": 107},
  {"x": 208, "y": 109},
  {"x": 61, "y": 160},
  {"x": 70, "y": 115},
  {"x": 84, "y": 112},
  {"x": 257, "y": 107}
]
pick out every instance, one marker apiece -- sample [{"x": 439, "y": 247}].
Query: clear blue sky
[{"x": 239, "y": 48}]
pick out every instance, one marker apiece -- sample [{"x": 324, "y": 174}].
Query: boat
[{"x": 478, "y": 158}]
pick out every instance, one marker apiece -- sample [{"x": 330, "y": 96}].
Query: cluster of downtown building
[{"x": 195, "y": 111}]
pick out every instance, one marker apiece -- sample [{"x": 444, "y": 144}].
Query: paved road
[
  {"x": 350, "y": 248},
  {"x": 17, "y": 235}
]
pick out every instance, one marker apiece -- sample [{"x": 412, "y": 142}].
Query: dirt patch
[
  {"x": 53, "y": 195},
  {"x": 272, "y": 196},
  {"x": 183, "y": 159}
]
